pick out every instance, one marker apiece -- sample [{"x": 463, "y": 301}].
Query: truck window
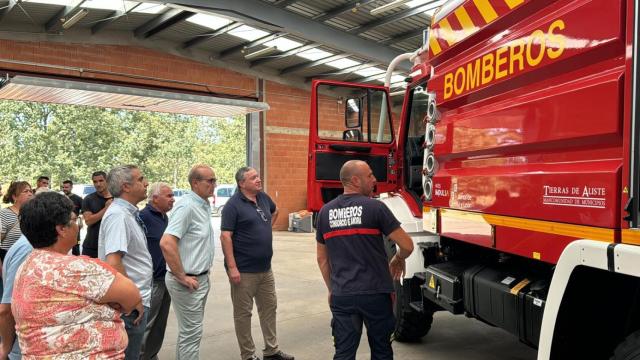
[
  {"x": 414, "y": 144},
  {"x": 359, "y": 115}
]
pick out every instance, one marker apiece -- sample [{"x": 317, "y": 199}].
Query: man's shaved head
[{"x": 349, "y": 169}]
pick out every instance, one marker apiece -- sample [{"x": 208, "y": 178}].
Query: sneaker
[
  {"x": 253, "y": 357},
  {"x": 279, "y": 356}
]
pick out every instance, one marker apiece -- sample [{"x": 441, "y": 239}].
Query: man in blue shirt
[
  {"x": 247, "y": 245},
  {"x": 353, "y": 261},
  {"x": 154, "y": 216},
  {"x": 15, "y": 257}
]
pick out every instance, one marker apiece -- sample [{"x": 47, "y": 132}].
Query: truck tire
[
  {"x": 629, "y": 349},
  {"x": 411, "y": 324}
]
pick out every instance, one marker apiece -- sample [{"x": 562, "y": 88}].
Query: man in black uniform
[
  {"x": 353, "y": 261},
  {"x": 94, "y": 206},
  {"x": 67, "y": 186}
]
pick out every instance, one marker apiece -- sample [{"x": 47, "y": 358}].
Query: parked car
[
  {"x": 179, "y": 193},
  {"x": 83, "y": 190},
  {"x": 221, "y": 195}
]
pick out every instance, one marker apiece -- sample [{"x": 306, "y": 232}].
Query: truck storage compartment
[
  {"x": 443, "y": 285},
  {"x": 506, "y": 299}
]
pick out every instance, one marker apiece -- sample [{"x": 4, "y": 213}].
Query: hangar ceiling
[{"x": 291, "y": 41}]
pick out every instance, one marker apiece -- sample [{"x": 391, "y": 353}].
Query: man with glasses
[
  {"x": 188, "y": 249},
  {"x": 247, "y": 245}
]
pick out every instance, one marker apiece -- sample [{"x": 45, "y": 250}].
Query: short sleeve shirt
[
  {"x": 156, "y": 223},
  {"x": 351, "y": 227},
  {"x": 93, "y": 203},
  {"x": 252, "y": 236},
  {"x": 15, "y": 257},
  {"x": 121, "y": 232},
  {"x": 55, "y": 305},
  {"x": 10, "y": 229},
  {"x": 190, "y": 222}
]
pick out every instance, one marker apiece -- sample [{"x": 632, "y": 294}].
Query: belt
[{"x": 202, "y": 273}]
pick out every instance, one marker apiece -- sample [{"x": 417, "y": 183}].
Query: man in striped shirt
[
  {"x": 188, "y": 249},
  {"x": 354, "y": 265}
]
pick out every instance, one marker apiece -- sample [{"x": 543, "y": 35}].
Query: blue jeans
[
  {"x": 135, "y": 333},
  {"x": 350, "y": 312}
]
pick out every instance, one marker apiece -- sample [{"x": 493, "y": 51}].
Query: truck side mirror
[
  {"x": 352, "y": 113},
  {"x": 352, "y": 135}
]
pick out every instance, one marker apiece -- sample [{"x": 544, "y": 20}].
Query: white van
[{"x": 220, "y": 197}]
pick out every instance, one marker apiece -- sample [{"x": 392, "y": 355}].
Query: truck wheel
[
  {"x": 411, "y": 324},
  {"x": 629, "y": 349}
]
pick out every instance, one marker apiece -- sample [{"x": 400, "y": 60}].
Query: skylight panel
[
  {"x": 51, "y": 2},
  {"x": 209, "y": 21},
  {"x": 109, "y": 5},
  {"x": 314, "y": 54},
  {"x": 283, "y": 44},
  {"x": 248, "y": 33},
  {"x": 343, "y": 63},
  {"x": 370, "y": 71},
  {"x": 148, "y": 8}
]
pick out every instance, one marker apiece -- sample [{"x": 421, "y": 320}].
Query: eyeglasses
[
  {"x": 262, "y": 215},
  {"x": 210, "y": 181}
]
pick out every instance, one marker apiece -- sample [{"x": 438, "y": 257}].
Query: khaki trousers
[{"x": 261, "y": 287}]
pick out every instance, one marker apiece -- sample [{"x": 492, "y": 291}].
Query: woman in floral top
[{"x": 66, "y": 307}]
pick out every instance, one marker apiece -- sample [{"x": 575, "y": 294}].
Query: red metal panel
[{"x": 545, "y": 247}]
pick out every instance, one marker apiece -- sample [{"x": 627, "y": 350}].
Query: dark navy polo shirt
[
  {"x": 156, "y": 223},
  {"x": 251, "y": 226},
  {"x": 351, "y": 227}
]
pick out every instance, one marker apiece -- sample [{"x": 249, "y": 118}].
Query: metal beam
[
  {"x": 115, "y": 15},
  {"x": 337, "y": 11},
  {"x": 365, "y": 79},
  {"x": 7, "y": 9},
  {"x": 293, "y": 51},
  {"x": 404, "y": 36},
  {"x": 208, "y": 36},
  {"x": 345, "y": 71},
  {"x": 311, "y": 64},
  {"x": 270, "y": 17},
  {"x": 392, "y": 18},
  {"x": 55, "y": 22},
  {"x": 284, "y": 3},
  {"x": 162, "y": 22},
  {"x": 238, "y": 48}
]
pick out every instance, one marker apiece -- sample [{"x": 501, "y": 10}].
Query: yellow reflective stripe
[
  {"x": 486, "y": 10},
  {"x": 631, "y": 236},
  {"x": 465, "y": 20},
  {"x": 549, "y": 227},
  {"x": 513, "y": 3},
  {"x": 446, "y": 32},
  {"x": 433, "y": 43}
]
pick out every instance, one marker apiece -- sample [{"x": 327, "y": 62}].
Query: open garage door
[{"x": 73, "y": 92}]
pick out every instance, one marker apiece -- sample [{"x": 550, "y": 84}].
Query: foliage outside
[{"x": 70, "y": 142}]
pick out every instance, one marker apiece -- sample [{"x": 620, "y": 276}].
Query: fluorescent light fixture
[
  {"x": 51, "y": 2},
  {"x": 262, "y": 52},
  {"x": 314, "y": 54},
  {"x": 386, "y": 7},
  {"x": 435, "y": 4},
  {"x": 109, "y": 5},
  {"x": 68, "y": 23},
  {"x": 248, "y": 33},
  {"x": 209, "y": 21},
  {"x": 343, "y": 63},
  {"x": 283, "y": 44}
]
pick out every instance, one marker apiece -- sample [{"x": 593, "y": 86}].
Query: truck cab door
[{"x": 348, "y": 122}]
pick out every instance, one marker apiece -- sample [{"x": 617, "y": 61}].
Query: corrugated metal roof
[{"x": 36, "y": 14}]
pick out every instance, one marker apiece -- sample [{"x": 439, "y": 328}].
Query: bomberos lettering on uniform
[{"x": 346, "y": 216}]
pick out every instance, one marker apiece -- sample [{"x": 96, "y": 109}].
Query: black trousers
[{"x": 375, "y": 311}]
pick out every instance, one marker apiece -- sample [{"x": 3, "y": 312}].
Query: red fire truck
[{"x": 515, "y": 168}]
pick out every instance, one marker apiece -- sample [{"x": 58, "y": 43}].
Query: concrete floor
[{"x": 303, "y": 317}]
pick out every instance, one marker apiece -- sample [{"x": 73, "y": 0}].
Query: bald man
[{"x": 353, "y": 261}]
